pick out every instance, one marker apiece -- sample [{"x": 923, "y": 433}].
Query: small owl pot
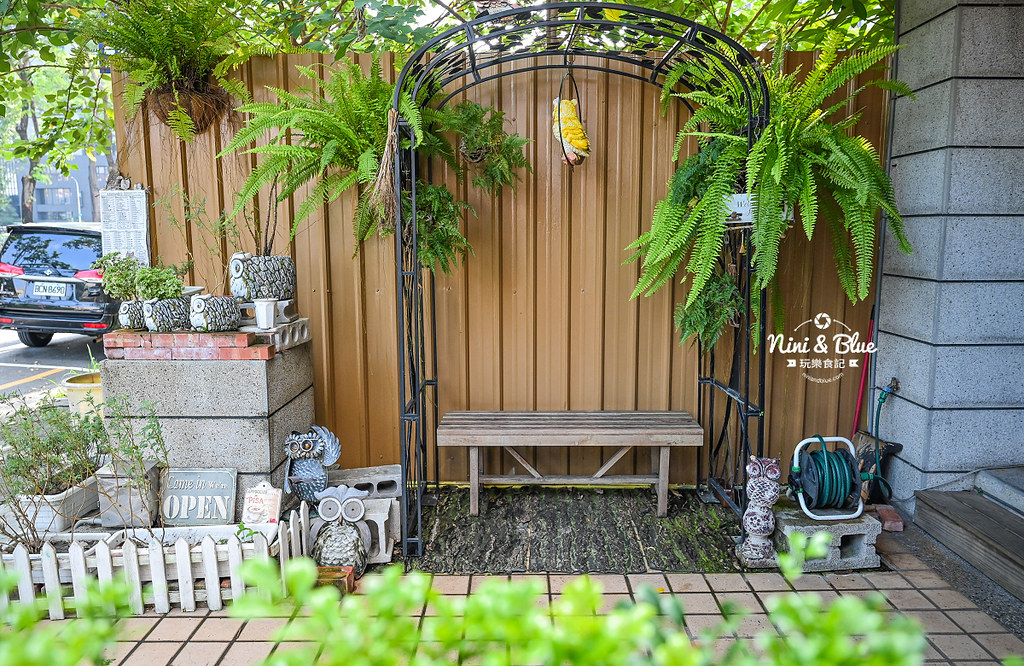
[
  {"x": 163, "y": 316},
  {"x": 211, "y": 313},
  {"x": 255, "y": 277},
  {"x": 130, "y": 315}
]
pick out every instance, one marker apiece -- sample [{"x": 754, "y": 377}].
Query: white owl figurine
[
  {"x": 214, "y": 313},
  {"x": 763, "y": 476}
]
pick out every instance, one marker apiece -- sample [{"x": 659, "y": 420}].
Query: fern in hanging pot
[
  {"x": 176, "y": 55},
  {"x": 496, "y": 155},
  {"x": 803, "y": 161}
]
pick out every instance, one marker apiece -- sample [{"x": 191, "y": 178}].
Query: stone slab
[
  {"x": 1006, "y": 486},
  {"x": 989, "y": 41},
  {"x": 984, "y": 181},
  {"x": 986, "y": 112},
  {"x": 926, "y": 238},
  {"x": 853, "y": 541},
  {"x": 211, "y": 388},
  {"x": 926, "y": 55},
  {"x": 975, "y": 248},
  {"x": 907, "y": 478},
  {"x": 925, "y": 120},
  {"x": 919, "y": 181}
]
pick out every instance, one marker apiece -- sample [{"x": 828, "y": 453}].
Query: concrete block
[
  {"x": 911, "y": 361},
  {"x": 284, "y": 336},
  {"x": 210, "y": 388},
  {"x": 969, "y": 439},
  {"x": 924, "y": 122},
  {"x": 382, "y": 481},
  {"x": 986, "y": 112},
  {"x": 907, "y": 478},
  {"x": 928, "y": 53},
  {"x": 926, "y": 236},
  {"x": 382, "y": 516},
  {"x": 980, "y": 312},
  {"x": 989, "y": 39},
  {"x": 982, "y": 181},
  {"x": 978, "y": 376},
  {"x": 919, "y": 181},
  {"x": 915, "y": 12},
  {"x": 975, "y": 248},
  {"x": 906, "y": 307},
  {"x": 1005, "y": 486},
  {"x": 853, "y": 541}
]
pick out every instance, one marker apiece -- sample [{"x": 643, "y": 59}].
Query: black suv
[{"x": 47, "y": 284}]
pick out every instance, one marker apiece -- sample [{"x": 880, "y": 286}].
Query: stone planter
[
  {"x": 123, "y": 504},
  {"x": 214, "y": 313},
  {"x": 171, "y": 314},
  {"x": 255, "y": 277},
  {"x": 130, "y": 315},
  {"x": 85, "y": 392},
  {"x": 56, "y": 513}
]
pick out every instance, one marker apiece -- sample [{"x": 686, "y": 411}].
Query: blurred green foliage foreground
[{"x": 502, "y": 623}]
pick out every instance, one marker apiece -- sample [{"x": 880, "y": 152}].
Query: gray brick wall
[{"x": 951, "y": 316}]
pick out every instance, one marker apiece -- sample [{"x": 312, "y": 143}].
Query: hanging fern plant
[
  {"x": 176, "y": 55},
  {"x": 803, "y": 160}
]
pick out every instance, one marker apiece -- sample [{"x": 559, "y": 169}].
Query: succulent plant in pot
[
  {"x": 120, "y": 281},
  {"x": 164, "y": 307}
]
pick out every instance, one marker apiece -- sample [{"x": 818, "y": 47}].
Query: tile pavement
[{"x": 958, "y": 632}]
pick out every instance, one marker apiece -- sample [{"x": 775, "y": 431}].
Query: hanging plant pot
[
  {"x": 211, "y": 313},
  {"x": 204, "y": 108},
  {"x": 164, "y": 316},
  {"x": 474, "y": 156},
  {"x": 253, "y": 277},
  {"x": 130, "y": 315}
]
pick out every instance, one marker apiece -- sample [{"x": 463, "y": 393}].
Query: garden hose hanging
[{"x": 824, "y": 479}]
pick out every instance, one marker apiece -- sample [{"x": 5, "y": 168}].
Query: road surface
[{"x": 29, "y": 369}]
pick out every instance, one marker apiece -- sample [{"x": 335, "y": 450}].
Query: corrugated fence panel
[{"x": 540, "y": 316}]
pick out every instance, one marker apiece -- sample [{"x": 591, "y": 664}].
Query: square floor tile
[
  {"x": 697, "y": 625},
  {"x": 698, "y": 604},
  {"x": 262, "y": 629},
  {"x": 770, "y": 600},
  {"x": 134, "y": 629},
  {"x": 610, "y": 601},
  {"x": 925, "y": 580},
  {"x": 611, "y": 584},
  {"x": 117, "y": 652},
  {"x": 479, "y": 579},
  {"x": 888, "y": 543},
  {"x": 744, "y": 600},
  {"x": 975, "y": 622},
  {"x": 767, "y": 582},
  {"x": 935, "y": 622},
  {"x": 905, "y": 562},
  {"x": 455, "y": 605},
  {"x": 683, "y": 583},
  {"x": 1001, "y": 645},
  {"x": 178, "y": 629},
  {"x": 451, "y": 584},
  {"x": 906, "y": 600},
  {"x": 959, "y": 647},
  {"x": 753, "y": 625},
  {"x": 557, "y": 582},
  {"x": 811, "y": 582},
  {"x": 657, "y": 581},
  {"x": 949, "y": 600},
  {"x": 246, "y": 654},
  {"x": 888, "y": 581},
  {"x": 152, "y": 654},
  {"x": 538, "y": 580},
  {"x": 848, "y": 581},
  {"x": 200, "y": 654},
  {"x": 218, "y": 629},
  {"x": 727, "y": 582}
]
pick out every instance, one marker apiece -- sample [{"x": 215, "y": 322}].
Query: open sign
[{"x": 198, "y": 496}]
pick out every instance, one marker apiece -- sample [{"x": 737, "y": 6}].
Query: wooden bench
[{"x": 658, "y": 431}]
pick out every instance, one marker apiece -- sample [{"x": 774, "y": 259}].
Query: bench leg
[
  {"x": 474, "y": 481},
  {"x": 663, "y": 458}
]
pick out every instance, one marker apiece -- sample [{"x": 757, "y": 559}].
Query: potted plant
[
  {"x": 127, "y": 485},
  {"x": 160, "y": 289},
  {"x": 84, "y": 389},
  {"x": 120, "y": 281},
  {"x": 803, "y": 161},
  {"x": 176, "y": 55},
  {"x": 48, "y": 457}
]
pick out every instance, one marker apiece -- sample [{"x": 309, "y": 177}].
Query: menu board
[{"x": 124, "y": 220}]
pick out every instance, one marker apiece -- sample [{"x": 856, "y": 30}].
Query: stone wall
[{"x": 951, "y": 315}]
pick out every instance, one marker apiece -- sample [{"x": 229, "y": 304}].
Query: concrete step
[
  {"x": 978, "y": 530},
  {"x": 1005, "y": 486}
]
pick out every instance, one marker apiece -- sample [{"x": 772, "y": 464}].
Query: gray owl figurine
[
  {"x": 214, "y": 313},
  {"x": 339, "y": 544},
  {"x": 309, "y": 456}
]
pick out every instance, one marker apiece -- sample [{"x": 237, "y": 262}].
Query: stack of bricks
[{"x": 228, "y": 346}]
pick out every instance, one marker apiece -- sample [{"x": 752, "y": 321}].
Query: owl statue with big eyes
[
  {"x": 763, "y": 491},
  {"x": 309, "y": 455}
]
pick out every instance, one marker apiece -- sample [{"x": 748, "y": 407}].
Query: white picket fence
[{"x": 161, "y": 576}]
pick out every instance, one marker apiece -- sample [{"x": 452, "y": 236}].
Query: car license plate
[{"x": 49, "y": 289}]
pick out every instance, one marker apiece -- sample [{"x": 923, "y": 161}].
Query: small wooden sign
[
  {"x": 262, "y": 504},
  {"x": 198, "y": 496}
]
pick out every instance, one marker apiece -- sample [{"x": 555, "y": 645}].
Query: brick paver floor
[{"x": 958, "y": 632}]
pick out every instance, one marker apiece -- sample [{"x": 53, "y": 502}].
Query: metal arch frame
[{"x": 649, "y": 39}]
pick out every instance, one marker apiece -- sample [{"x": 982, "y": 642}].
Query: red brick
[
  {"x": 131, "y": 340},
  {"x": 237, "y": 340},
  {"x": 115, "y": 353},
  {"x": 253, "y": 353},
  {"x": 163, "y": 339},
  {"x": 187, "y": 340},
  {"x": 144, "y": 354},
  {"x": 195, "y": 353},
  {"x": 113, "y": 341},
  {"x": 892, "y": 521}
]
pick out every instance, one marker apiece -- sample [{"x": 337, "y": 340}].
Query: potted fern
[
  {"x": 803, "y": 161},
  {"x": 495, "y": 155},
  {"x": 176, "y": 55}
]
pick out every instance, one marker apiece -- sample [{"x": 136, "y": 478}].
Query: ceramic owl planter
[
  {"x": 763, "y": 491},
  {"x": 255, "y": 277},
  {"x": 211, "y": 313},
  {"x": 163, "y": 316},
  {"x": 130, "y": 315}
]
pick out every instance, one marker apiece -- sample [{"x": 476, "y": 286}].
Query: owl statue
[
  {"x": 253, "y": 277},
  {"x": 763, "y": 476},
  {"x": 214, "y": 313},
  {"x": 568, "y": 129},
  {"x": 309, "y": 455},
  {"x": 339, "y": 544}
]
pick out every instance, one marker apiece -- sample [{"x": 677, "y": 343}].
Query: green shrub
[
  {"x": 159, "y": 283},
  {"x": 120, "y": 275}
]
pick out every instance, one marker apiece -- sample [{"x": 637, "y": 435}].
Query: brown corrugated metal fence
[{"x": 540, "y": 316}]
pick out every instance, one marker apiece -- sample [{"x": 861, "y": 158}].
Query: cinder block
[
  {"x": 853, "y": 541},
  {"x": 382, "y": 481},
  {"x": 284, "y": 336},
  {"x": 382, "y": 515}
]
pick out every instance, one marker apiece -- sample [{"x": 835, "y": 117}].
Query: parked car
[{"x": 47, "y": 284}]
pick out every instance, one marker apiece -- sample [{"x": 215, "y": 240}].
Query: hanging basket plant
[{"x": 175, "y": 55}]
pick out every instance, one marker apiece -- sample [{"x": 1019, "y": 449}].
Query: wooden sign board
[
  {"x": 198, "y": 496},
  {"x": 124, "y": 222},
  {"x": 262, "y": 504}
]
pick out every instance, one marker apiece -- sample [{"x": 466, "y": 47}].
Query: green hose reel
[{"x": 827, "y": 479}]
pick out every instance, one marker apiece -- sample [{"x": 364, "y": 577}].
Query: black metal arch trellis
[{"x": 473, "y": 53}]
